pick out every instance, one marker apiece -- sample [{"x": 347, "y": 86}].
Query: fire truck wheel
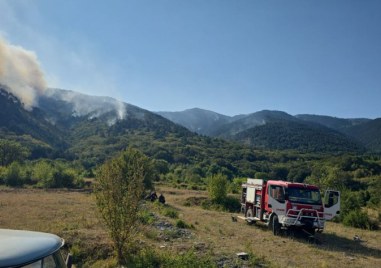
[{"x": 275, "y": 225}]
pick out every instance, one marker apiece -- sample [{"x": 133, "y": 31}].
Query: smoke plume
[{"x": 20, "y": 72}]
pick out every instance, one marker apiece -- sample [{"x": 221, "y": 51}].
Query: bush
[
  {"x": 229, "y": 204},
  {"x": 182, "y": 224},
  {"x": 13, "y": 175},
  {"x": 217, "y": 188},
  {"x": 235, "y": 186},
  {"x": 3, "y": 171},
  {"x": 49, "y": 174},
  {"x": 170, "y": 212},
  {"x": 119, "y": 188},
  {"x": 146, "y": 217},
  {"x": 166, "y": 210},
  {"x": 359, "y": 219}
]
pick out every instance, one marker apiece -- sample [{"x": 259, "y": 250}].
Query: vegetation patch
[
  {"x": 183, "y": 225},
  {"x": 229, "y": 204},
  {"x": 190, "y": 259},
  {"x": 165, "y": 210},
  {"x": 359, "y": 219},
  {"x": 194, "y": 201}
]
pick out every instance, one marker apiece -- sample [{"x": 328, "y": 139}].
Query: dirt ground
[{"x": 73, "y": 216}]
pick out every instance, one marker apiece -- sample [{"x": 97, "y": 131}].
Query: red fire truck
[{"x": 286, "y": 205}]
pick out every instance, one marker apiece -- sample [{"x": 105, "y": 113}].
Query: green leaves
[
  {"x": 217, "y": 188},
  {"x": 119, "y": 189},
  {"x": 11, "y": 151}
]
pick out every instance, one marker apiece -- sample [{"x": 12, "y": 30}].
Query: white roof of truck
[{"x": 22, "y": 247}]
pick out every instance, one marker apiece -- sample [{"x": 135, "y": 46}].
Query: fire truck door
[{"x": 331, "y": 204}]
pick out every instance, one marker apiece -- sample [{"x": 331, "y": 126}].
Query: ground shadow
[{"x": 333, "y": 242}]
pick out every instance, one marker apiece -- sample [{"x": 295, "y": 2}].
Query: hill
[
  {"x": 274, "y": 130},
  {"x": 339, "y": 124},
  {"x": 250, "y": 121},
  {"x": 198, "y": 120},
  {"x": 292, "y": 135},
  {"x": 368, "y": 133},
  {"x": 365, "y": 131},
  {"x": 92, "y": 129},
  {"x": 29, "y": 127}
]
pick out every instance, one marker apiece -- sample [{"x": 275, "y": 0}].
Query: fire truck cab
[{"x": 285, "y": 205}]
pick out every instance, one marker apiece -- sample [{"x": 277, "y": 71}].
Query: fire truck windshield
[{"x": 304, "y": 195}]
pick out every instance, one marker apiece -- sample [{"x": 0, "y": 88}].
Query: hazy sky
[{"x": 232, "y": 57}]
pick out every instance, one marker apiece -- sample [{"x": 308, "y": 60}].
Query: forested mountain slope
[
  {"x": 279, "y": 130},
  {"x": 198, "y": 120},
  {"x": 368, "y": 134},
  {"x": 291, "y": 135},
  {"x": 28, "y": 127}
]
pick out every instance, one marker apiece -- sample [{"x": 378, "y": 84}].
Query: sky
[{"x": 229, "y": 56}]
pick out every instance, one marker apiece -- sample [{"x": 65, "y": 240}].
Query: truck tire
[{"x": 275, "y": 225}]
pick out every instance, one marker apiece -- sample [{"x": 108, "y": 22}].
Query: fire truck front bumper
[{"x": 310, "y": 222}]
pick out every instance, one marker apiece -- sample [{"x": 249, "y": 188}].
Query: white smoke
[
  {"x": 22, "y": 76},
  {"x": 91, "y": 106},
  {"x": 20, "y": 71}
]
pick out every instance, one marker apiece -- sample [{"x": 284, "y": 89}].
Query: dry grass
[
  {"x": 72, "y": 215},
  {"x": 69, "y": 214}
]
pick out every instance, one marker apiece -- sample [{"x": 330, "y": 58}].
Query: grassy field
[{"x": 72, "y": 215}]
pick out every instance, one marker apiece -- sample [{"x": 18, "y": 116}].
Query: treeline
[{"x": 17, "y": 171}]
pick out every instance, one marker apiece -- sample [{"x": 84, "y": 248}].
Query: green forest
[{"x": 188, "y": 161}]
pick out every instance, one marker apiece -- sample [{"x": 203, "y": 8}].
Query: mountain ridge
[
  {"x": 74, "y": 119},
  {"x": 243, "y": 129}
]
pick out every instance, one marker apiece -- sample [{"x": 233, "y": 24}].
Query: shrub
[
  {"x": 170, "y": 212},
  {"x": 146, "y": 217},
  {"x": 232, "y": 204},
  {"x": 55, "y": 175},
  {"x": 166, "y": 210},
  {"x": 182, "y": 224},
  {"x": 235, "y": 186},
  {"x": 217, "y": 188},
  {"x": 3, "y": 171},
  {"x": 229, "y": 204},
  {"x": 359, "y": 219},
  {"x": 119, "y": 188},
  {"x": 13, "y": 175}
]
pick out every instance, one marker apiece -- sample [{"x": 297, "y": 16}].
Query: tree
[
  {"x": 11, "y": 151},
  {"x": 217, "y": 188},
  {"x": 119, "y": 188},
  {"x": 13, "y": 176}
]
